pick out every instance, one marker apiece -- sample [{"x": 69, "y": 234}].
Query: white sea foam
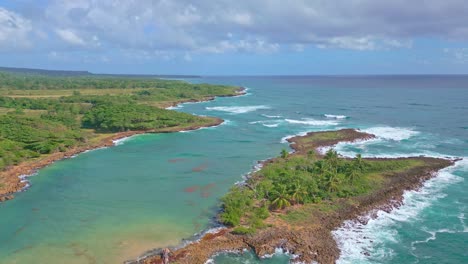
[
  {"x": 237, "y": 109},
  {"x": 384, "y": 135},
  {"x": 312, "y": 122},
  {"x": 225, "y": 122},
  {"x": 121, "y": 141},
  {"x": 244, "y": 93},
  {"x": 359, "y": 242},
  {"x": 258, "y": 122},
  {"x": 462, "y": 219},
  {"x": 179, "y": 106},
  {"x": 364, "y": 147},
  {"x": 267, "y": 123},
  {"x": 335, "y": 116},
  {"x": 391, "y": 133},
  {"x": 433, "y": 236},
  {"x": 280, "y": 251},
  {"x": 285, "y": 139},
  {"x": 211, "y": 260},
  {"x": 272, "y": 116},
  {"x": 256, "y": 167}
]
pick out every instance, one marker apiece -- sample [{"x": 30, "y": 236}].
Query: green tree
[
  {"x": 299, "y": 193},
  {"x": 332, "y": 182},
  {"x": 358, "y": 162},
  {"x": 331, "y": 160},
  {"x": 353, "y": 173},
  {"x": 280, "y": 198},
  {"x": 284, "y": 153}
]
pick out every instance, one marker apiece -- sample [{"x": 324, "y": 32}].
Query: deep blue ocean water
[{"x": 154, "y": 190}]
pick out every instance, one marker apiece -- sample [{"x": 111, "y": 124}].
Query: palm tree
[
  {"x": 331, "y": 160},
  {"x": 332, "y": 182},
  {"x": 299, "y": 193},
  {"x": 358, "y": 162},
  {"x": 354, "y": 172},
  {"x": 331, "y": 156},
  {"x": 281, "y": 199}
]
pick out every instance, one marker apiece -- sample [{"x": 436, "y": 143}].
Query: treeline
[
  {"x": 19, "y": 81},
  {"x": 298, "y": 180},
  {"x": 121, "y": 117}
]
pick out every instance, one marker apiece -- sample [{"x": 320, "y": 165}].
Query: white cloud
[
  {"x": 298, "y": 47},
  {"x": 360, "y": 43},
  {"x": 243, "y": 19},
  {"x": 70, "y": 37},
  {"x": 457, "y": 55},
  {"x": 251, "y": 26},
  {"x": 243, "y": 45},
  {"x": 14, "y": 30}
]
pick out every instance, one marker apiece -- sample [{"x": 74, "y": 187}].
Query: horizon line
[{"x": 191, "y": 75}]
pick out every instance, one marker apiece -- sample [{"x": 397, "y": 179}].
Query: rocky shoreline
[
  {"x": 309, "y": 241},
  {"x": 14, "y": 180}
]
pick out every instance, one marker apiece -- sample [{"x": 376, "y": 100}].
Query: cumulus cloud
[
  {"x": 70, "y": 37},
  {"x": 14, "y": 30},
  {"x": 261, "y": 26},
  {"x": 457, "y": 55}
]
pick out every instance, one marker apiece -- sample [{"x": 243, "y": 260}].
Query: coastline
[
  {"x": 239, "y": 92},
  {"x": 15, "y": 177},
  {"x": 308, "y": 242}
]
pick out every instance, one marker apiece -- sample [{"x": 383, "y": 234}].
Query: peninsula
[{"x": 296, "y": 200}]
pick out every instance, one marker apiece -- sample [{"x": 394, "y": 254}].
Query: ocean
[{"x": 112, "y": 204}]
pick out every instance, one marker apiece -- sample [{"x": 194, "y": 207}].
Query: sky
[{"x": 238, "y": 37}]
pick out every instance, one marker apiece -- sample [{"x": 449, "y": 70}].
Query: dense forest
[
  {"x": 45, "y": 82},
  {"x": 38, "y": 116}
]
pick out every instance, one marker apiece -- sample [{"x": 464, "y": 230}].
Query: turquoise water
[{"x": 113, "y": 204}]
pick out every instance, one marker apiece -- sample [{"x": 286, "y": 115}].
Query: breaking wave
[
  {"x": 237, "y": 109},
  {"x": 335, "y": 116},
  {"x": 272, "y": 116},
  {"x": 312, "y": 122},
  {"x": 284, "y": 139},
  {"x": 391, "y": 133},
  {"x": 267, "y": 123},
  {"x": 365, "y": 242}
]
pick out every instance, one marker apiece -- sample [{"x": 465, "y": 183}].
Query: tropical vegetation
[
  {"x": 42, "y": 114},
  {"x": 299, "y": 179}
]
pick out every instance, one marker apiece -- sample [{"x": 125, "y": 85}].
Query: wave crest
[
  {"x": 312, "y": 122},
  {"x": 360, "y": 242},
  {"x": 272, "y": 116},
  {"x": 391, "y": 133},
  {"x": 237, "y": 109},
  {"x": 335, "y": 116}
]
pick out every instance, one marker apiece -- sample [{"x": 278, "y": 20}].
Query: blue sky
[{"x": 236, "y": 37}]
